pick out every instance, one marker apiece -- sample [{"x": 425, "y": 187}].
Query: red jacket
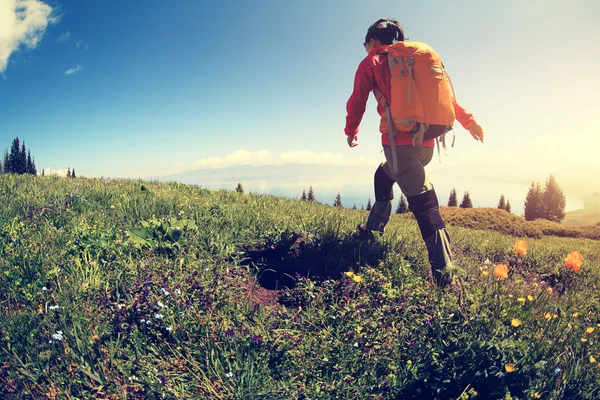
[{"x": 372, "y": 72}]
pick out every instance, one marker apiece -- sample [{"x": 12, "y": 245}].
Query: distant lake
[{"x": 357, "y": 188}]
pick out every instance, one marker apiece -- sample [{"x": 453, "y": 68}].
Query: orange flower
[
  {"x": 501, "y": 271},
  {"x": 521, "y": 247},
  {"x": 574, "y": 260},
  {"x": 510, "y": 367}
]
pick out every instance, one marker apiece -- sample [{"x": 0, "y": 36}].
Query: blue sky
[{"x": 138, "y": 88}]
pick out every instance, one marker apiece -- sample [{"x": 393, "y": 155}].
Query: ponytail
[{"x": 386, "y": 30}]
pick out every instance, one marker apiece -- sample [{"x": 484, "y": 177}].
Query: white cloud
[
  {"x": 64, "y": 37},
  {"x": 74, "y": 70},
  {"x": 49, "y": 171},
  {"x": 81, "y": 44},
  {"x": 245, "y": 157},
  {"x": 238, "y": 157},
  {"x": 22, "y": 23}
]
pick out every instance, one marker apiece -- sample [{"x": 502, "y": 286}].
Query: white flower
[
  {"x": 177, "y": 291},
  {"x": 229, "y": 374},
  {"x": 160, "y": 304},
  {"x": 356, "y": 344},
  {"x": 158, "y": 316},
  {"x": 58, "y": 336},
  {"x": 487, "y": 261},
  {"x": 164, "y": 292},
  {"x": 169, "y": 328},
  {"x": 44, "y": 288},
  {"x": 53, "y": 307}
]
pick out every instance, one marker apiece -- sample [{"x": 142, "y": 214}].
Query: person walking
[{"x": 405, "y": 159}]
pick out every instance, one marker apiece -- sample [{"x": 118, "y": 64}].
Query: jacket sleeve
[
  {"x": 465, "y": 118},
  {"x": 355, "y": 107}
]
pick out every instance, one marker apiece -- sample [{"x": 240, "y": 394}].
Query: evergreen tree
[
  {"x": 452, "y": 201},
  {"x": 69, "y": 172},
  {"x": 73, "y": 176},
  {"x": 303, "y": 194},
  {"x": 29, "y": 164},
  {"x": 502, "y": 203},
  {"x": 311, "y": 194},
  {"x": 43, "y": 173},
  {"x": 533, "y": 206},
  {"x": 354, "y": 207},
  {"x": 507, "y": 208},
  {"x": 369, "y": 204},
  {"x": 14, "y": 156},
  {"x": 402, "y": 205},
  {"x": 5, "y": 162},
  {"x": 239, "y": 188},
  {"x": 338, "y": 201},
  {"x": 466, "y": 201},
  {"x": 362, "y": 207},
  {"x": 554, "y": 201},
  {"x": 22, "y": 160}
]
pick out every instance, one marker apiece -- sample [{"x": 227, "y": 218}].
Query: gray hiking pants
[{"x": 422, "y": 200}]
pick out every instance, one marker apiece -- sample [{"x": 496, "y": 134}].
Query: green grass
[{"x": 130, "y": 289}]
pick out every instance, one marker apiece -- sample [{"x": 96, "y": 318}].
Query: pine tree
[
  {"x": 239, "y": 188},
  {"x": 466, "y": 201},
  {"x": 402, "y": 205},
  {"x": 14, "y": 156},
  {"x": 369, "y": 204},
  {"x": 533, "y": 206},
  {"x": 362, "y": 207},
  {"x": 303, "y": 194},
  {"x": 354, "y": 207},
  {"x": 338, "y": 201},
  {"x": 452, "y": 201},
  {"x": 6, "y": 163},
  {"x": 29, "y": 164},
  {"x": 507, "y": 208},
  {"x": 554, "y": 201},
  {"x": 311, "y": 194},
  {"x": 69, "y": 172},
  {"x": 22, "y": 160},
  {"x": 43, "y": 173},
  {"x": 502, "y": 203},
  {"x": 73, "y": 176}
]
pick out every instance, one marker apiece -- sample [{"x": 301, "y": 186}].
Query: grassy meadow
[{"x": 123, "y": 289}]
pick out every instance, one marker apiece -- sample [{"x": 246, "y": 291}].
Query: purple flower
[{"x": 257, "y": 340}]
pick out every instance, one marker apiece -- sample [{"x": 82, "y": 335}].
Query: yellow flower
[
  {"x": 570, "y": 326},
  {"x": 576, "y": 315},
  {"x": 583, "y": 340},
  {"x": 510, "y": 367},
  {"x": 511, "y": 296},
  {"x": 518, "y": 281},
  {"x": 349, "y": 273},
  {"x": 516, "y": 322},
  {"x": 592, "y": 359},
  {"x": 547, "y": 315},
  {"x": 589, "y": 330},
  {"x": 359, "y": 329},
  {"x": 357, "y": 278},
  {"x": 409, "y": 362},
  {"x": 485, "y": 273},
  {"x": 549, "y": 290},
  {"x": 501, "y": 271},
  {"x": 530, "y": 298},
  {"x": 521, "y": 299},
  {"x": 535, "y": 285},
  {"x": 521, "y": 247}
]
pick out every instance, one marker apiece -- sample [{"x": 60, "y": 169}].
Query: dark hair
[{"x": 391, "y": 31}]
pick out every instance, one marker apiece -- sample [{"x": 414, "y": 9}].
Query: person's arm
[
  {"x": 467, "y": 120},
  {"x": 356, "y": 105}
]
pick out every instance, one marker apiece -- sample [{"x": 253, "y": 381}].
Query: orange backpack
[{"x": 421, "y": 102}]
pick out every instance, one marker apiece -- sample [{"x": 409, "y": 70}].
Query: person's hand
[
  {"x": 352, "y": 141},
  {"x": 477, "y": 132}
]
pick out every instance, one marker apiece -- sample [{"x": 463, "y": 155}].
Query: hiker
[{"x": 411, "y": 152}]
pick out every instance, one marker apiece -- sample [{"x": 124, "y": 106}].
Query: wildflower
[
  {"x": 485, "y": 273},
  {"x": 158, "y": 316},
  {"x": 547, "y": 315},
  {"x": 165, "y": 292},
  {"x": 521, "y": 247},
  {"x": 357, "y": 278},
  {"x": 58, "y": 336},
  {"x": 535, "y": 285},
  {"x": 510, "y": 367},
  {"x": 557, "y": 370},
  {"x": 583, "y": 340},
  {"x": 518, "y": 280},
  {"x": 44, "y": 288},
  {"x": 530, "y": 298},
  {"x": 359, "y": 329},
  {"x": 487, "y": 261},
  {"x": 574, "y": 260},
  {"x": 349, "y": 274},
  {"x": 521, "y": 299},
  {"x": 501, "y": 271},
  {"x": 54, "y": 307},
  {"x": 356, "y": 344},
  {"x": 549, "y": 290},
  {"x": 592, "y": 359},
  {"x": 516, "y": 322},
  {"x": 229, "y": 374},
  {"x": 160, "y": 304},
  {"x": 589, "y": 330},
  {"x": 409, "y": 362},
  {"x": 169, "y": 328},
  {"x": 576, "y": 315},
  {"x": 177, "y": 291}
]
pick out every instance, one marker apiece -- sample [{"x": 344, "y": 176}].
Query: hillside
[{"x": 134, "y": 289}]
